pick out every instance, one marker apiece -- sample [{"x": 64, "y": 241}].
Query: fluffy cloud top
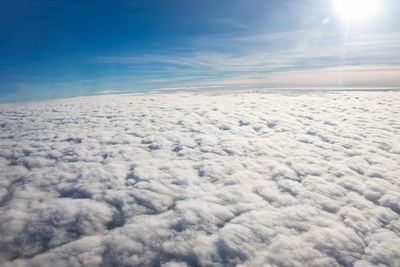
[{"x": 201, "y": 180}]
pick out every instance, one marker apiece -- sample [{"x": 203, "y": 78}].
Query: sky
[{"x": 52, "y": 49}]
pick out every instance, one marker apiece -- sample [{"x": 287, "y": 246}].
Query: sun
[{"x": 356, "y": 10}]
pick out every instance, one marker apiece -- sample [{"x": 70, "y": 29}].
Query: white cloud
[
  {"x": 110, "y": 92},
  {"x": 191, "y": 88},
  {"x": 186, "y": 180}
]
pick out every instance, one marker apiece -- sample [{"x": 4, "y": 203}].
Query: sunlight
[{"x": 356, "y": 10}]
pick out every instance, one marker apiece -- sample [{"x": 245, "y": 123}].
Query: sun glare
[{"x": 356, "y": 10}]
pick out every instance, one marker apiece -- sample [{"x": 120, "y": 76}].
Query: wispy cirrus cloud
[
  {"x": 292, "y": 58},
  {"x": 276, "y": 60},
  {"x": 350, "y": 76}
]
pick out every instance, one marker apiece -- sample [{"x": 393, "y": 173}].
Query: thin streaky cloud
[
  {"x": 362, "y": 60},
  {"x": 356, "y": 50}
]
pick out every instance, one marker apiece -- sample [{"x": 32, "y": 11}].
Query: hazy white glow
[{"x": 356, "y": 10}]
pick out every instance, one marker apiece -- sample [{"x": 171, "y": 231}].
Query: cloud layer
[{"x": 201, "y": 180}]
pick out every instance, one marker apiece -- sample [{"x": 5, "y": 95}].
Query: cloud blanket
[{"x": 201, "y": 180}]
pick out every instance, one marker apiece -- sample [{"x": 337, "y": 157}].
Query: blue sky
[{"x": 62, "y": 48}]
